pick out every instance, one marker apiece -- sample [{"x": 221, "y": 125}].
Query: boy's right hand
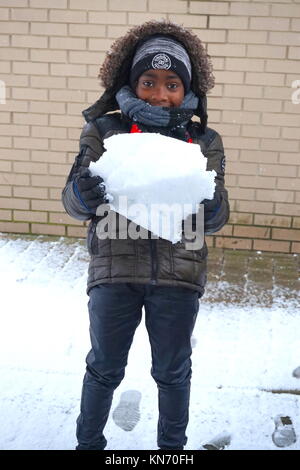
[{"x": 90, "y": 190}]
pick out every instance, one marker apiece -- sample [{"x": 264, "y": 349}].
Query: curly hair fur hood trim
[{"x": 114, "y": 73}]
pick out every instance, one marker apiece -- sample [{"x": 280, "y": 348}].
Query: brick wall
[{"x": 50, "y": 55}]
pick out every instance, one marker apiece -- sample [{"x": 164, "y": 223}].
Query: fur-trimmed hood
[{"x": 114, "y": 73}]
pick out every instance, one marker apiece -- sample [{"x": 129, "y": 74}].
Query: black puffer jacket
[{"x": 155, "y": 261}]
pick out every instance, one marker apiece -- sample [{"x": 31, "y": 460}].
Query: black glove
[
  {"x": 90, "y": 190},
  {"x": 211, "y": 206}
]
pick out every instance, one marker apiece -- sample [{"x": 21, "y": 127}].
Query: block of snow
[{"x": 148, "y": 173}]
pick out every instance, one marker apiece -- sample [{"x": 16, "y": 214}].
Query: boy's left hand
[{"x": 89, "y": 189}]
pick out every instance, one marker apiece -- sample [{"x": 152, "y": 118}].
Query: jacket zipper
[
  {"x": 90, "y": 238},
  {"x": 153, "y": 249},
  {"x": 153, "y": 245}
]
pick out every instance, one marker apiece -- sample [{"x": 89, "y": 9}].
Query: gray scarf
[{"x": 160, "y": 116}]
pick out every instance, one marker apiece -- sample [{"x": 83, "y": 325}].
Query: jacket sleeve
[
  {"x": 216, "y": 211},
  {"x": 90, "y": 149}
]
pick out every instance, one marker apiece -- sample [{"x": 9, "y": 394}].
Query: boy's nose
[{"x": 159, "y": 96}]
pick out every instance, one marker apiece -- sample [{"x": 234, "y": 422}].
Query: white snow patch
[
  {"x": 238, "y": 354},
  {"x": 154, "y": 172}
]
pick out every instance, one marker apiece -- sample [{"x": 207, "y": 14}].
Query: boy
[{"x": 157, "y": 75}]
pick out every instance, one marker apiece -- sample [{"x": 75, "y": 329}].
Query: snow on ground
[{"x": 240, "y": 355}]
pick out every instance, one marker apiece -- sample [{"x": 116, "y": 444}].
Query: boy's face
[{"x": 160, "y": 88}]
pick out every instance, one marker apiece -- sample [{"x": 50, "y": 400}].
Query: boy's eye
[
  {"x": 147, "y": 83},
  {"x": 173, "y": 86}
]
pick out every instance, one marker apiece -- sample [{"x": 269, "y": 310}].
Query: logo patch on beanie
[{"x": 161, "y": 61}]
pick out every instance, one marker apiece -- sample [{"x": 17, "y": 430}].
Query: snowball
[{"x": 147, "y": 173}]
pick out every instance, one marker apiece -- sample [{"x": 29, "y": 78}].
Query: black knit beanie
[{"x": 164, "y": 53}]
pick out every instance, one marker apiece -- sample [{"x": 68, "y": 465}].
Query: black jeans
[{"x": 115, "y": 312}]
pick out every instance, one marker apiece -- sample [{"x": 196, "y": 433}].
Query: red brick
[
  {"x": 14, "y": 227},
  {"x": 48, "y": 229},
  {"x": 271, "y": 245},
  {"x": 234, "y": 243},
  {"x": 295, "y": 247},
  {"x": 286, "y": 234},
  {"x": 251, "y": 232}
]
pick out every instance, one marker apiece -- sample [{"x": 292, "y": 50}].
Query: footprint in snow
[
  {"x": 127, "y": 414},
  {"x": 218, "y": 442},
  {"x": 284, "y": 434},
  {"x": 296, "y": 372}
]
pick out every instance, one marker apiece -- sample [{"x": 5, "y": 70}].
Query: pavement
[
  {"x": 245, "y": 277},
  {"x": 239, "y": 277}
]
